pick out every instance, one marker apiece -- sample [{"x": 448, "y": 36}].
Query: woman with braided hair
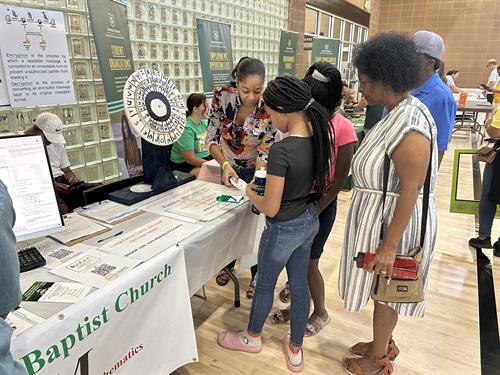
[
  {"x": 325, "y": 82},
  {"x": 296, "y": 165}
]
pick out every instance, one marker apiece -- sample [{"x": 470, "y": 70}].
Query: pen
[{"x": 107, "y": 238}]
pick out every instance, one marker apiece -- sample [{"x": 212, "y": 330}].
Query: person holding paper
[
  {"x": 69, "y": 188},
  {"x": 10, "y": 292},
  {"x": 296, "y": 165},
  {"x": 240, "y": 131},
  {"x": 189, "y": 151}
]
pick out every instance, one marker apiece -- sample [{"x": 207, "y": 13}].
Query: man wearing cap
[
  {"x": 433, "y": 92},
  {"x": 69, "y": 188}
]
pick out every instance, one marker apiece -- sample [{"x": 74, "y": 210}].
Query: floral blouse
[{"x": 242, "y": 145}]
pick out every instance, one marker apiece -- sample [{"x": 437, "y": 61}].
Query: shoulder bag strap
[{"x": 427, "y": 188}]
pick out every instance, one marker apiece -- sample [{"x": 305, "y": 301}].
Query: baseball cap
[
  {"x": 51, "y": 126},
  {"x": 491, "y": 61},
  {"x": 429, "y": 43}
]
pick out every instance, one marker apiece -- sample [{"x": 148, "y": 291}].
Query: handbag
[
  {"x": 404, "y": 289},
  {"x": 486, "y": 154}
]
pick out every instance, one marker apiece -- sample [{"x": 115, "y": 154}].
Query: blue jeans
[
  {"x": 487, "y": 208},
  {"x": 286, "y": 244}
]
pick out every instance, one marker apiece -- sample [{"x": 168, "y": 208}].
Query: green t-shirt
[{"x": 193, "y": 139}]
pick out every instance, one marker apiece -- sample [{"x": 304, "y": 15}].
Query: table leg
[{"x": 236, "y": 286}]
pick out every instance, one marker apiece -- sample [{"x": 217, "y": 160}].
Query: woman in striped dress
[{"x": 388, "y": 69}]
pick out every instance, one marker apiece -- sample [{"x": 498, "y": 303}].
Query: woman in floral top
[{"x": 239, "y": 132}]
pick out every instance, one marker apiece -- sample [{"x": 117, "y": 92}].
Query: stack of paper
[
  {"x": 78, "y": 229},
  {"x": 109, "y": 212}
]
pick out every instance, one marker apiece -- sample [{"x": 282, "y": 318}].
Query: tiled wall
[{"x": 470, "y": 29}]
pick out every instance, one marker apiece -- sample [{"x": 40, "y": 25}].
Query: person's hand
[
  {"x": 487, "y": 122},
  {"x": 383, "y": 261},
  {"x": 227, "y": 172},
  {"x": 62, "y": 187},
  {"x": 74, "y": 181},
  {"x": 249, "y": 188}
]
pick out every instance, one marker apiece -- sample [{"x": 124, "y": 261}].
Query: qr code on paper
[
  {"x": 60, "y": 253},
  {"x": 103, "y": 269}
]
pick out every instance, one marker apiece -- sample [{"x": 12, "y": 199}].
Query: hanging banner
[
  {"x": 216, "y": 56},
  {"x": 288, "y": 53},
  {"x": 35, "y": 58},
  {"x": 325, "y": 49},
  {"x": 114, "y": 52},
  {"x": 140, "y": 323}
]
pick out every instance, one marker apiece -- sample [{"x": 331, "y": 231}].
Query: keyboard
[{"x": 30, "y": 259}]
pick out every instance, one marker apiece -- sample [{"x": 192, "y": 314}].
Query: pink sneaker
[
  {"x": 237, "y": 341},
  {"x": 290, "y": 365}
]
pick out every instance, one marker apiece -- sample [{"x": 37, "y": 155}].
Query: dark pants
[{"x": 73, "y": 198}]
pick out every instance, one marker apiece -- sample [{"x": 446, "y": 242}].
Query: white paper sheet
[
  {"x": 78, "y": 228},
  {"x": 109, "y": 212},
  {"x": 22, "y": 320},
  {"x": 95, "y": 267},
  {"x": 196, "y": 200},
  {"x": 150, "y": 239},
  {"x": 56, "y": 254}
]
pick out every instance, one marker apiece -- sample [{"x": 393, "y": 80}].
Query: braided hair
[
  {"x": 326, "y": 83},
  {"x": 287, "y": 95}
]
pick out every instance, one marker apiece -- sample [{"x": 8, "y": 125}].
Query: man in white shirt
[
  {"x": 69, "y": 188},
  {"x": 493, "y": 77}
]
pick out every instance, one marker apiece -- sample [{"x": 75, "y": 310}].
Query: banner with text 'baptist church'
[
  {"x": 325, "y": 49},
  {"x": 288, "y": 53},
  {"x": 140, "y": 323},
  {"x": 216, "y": 56},
  {"x": 114, "y": 53}
]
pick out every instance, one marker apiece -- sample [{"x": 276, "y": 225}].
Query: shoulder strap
[{"x": 427, "y": 188}]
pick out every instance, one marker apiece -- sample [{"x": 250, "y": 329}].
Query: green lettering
[
  {"x": 28, "y": 362},
  {"x": 96, "y": 322},
  {"x": 167, "y": 270},
  {"x": 117, "y": 302},
  {"x": 67, "y": 346},
  {"x": 52, "y": 353},
  {"x": 158, "y": 278}
]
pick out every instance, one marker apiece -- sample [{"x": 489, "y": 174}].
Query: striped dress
[{"x": 364, "y": 218}]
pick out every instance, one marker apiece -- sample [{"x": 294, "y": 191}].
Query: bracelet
[{"x": 224, "y": 164}]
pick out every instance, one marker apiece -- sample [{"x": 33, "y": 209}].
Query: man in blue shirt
[
  {"x": 10, "y": 291},
  {"x": 433, "y": 92}
]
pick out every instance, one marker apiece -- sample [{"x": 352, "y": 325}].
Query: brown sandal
[
  {"x": 251, "y": 289},
  {"x": 222, "y": 278},
  {"x": 351, "y": 366},
  {"x": 285, "y": 294},
  {"x": 281, "y": 316},
  {"x": 361, "y": 349}
]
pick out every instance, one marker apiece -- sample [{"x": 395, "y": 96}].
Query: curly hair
[{"x": 390, "y": 58}]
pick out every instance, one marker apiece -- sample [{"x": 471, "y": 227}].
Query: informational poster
[
  {"x": 325, "y": 49},
  {"x": 35, "y": 57},
  {"x": 4, "y": 92},
  {"x": 216, "y": 56},
  {"x": 288, "y": 53},
  {"x": 114, "y": 52},
  {"x": 140, "y": 324}
]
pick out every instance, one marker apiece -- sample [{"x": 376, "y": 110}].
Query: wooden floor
[{"x": 446, "y": 341}]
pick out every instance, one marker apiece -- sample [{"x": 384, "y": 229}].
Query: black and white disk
[{"x": 154, "y": 107}]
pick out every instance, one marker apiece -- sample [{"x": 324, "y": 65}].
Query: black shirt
[{"x": 292, "y": 158}]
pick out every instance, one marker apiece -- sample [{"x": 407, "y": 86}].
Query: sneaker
[{"x": 480, "y": 243}]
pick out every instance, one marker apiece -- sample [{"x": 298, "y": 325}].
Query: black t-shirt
[{"x": 292, "y": 158}]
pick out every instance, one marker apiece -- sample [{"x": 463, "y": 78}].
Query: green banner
[
  {"x": 288, "y": 53},
  {"x": 325, "y": 49},
  {"x": 216, "y": 56},
  {"x": 112, "y": 42},
  {"x": 114, "y": 53}
]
